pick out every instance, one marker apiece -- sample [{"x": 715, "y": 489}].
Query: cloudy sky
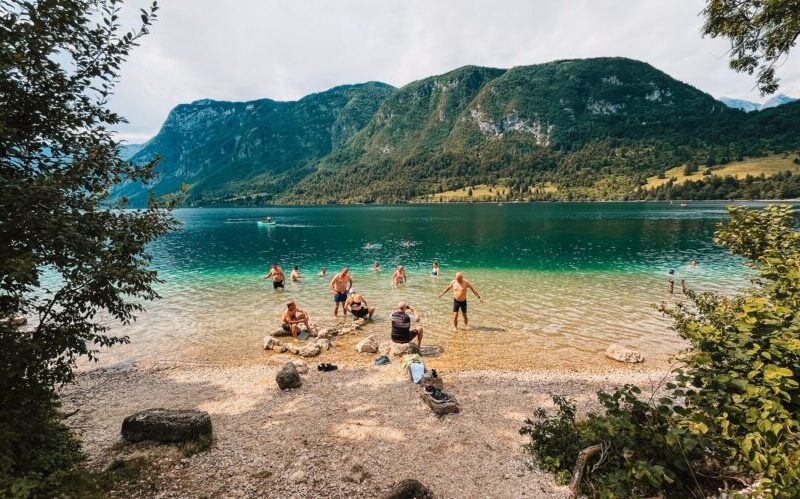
[{"x": 250, "y": 49}]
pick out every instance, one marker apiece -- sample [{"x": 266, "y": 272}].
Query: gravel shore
[{"x": 352, "y": 432}]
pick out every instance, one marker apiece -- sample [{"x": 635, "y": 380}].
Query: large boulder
[
  {"x": 367, "y": 345},
  {"x": 288, "y": 377},
  {"x": 166, "y": 425},
  {"x": 391, "y": 348},
  {"x": 409, "y": 489},
  {"x": 623, "y": 354}
]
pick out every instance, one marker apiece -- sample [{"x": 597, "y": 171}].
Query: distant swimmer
[
  {"x": 276, "y": 273},
  {"x": 295, "y": 275},
  {"x": 435, "y": 268},
  {"x": 340, "y": 285},
  {"x": 399, "y": 275},
  {"x": 376, "y": 267},
  {"x": 407, "y": 243},
  {"x": 401, "y": 325},
  {"x": 323, "y": 271},
  {"x": 459, "y": 285},
  {"x": 358, "y": 306},
  {"x": 693, "y": 264},
  {"x": 369, "y": 246},
  {"x": 292, "y": 318}
]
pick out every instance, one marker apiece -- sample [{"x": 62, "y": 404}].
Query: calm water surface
[{"x": 560, "y": 280}]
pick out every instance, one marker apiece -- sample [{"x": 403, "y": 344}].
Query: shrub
[{"x": 729, "y": 418}]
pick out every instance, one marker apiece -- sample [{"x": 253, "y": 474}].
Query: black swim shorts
[
  {"x": 459, "y": 305},
  {"x": 277, "y": 284}
]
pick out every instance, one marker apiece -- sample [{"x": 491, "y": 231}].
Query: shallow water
[{"x": 560, "y": 280}]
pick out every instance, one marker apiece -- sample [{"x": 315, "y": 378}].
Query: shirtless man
[
  {"x": 399, "y": 275},
  {"x": 340, "y": 285},
  {"x": 292, "y": 317},
  {"x": 276, "y": 273},
  {"x": 295, "y": 275},
  {"x": 358, "y": 306},
  {"x": 459, "y": 285}
]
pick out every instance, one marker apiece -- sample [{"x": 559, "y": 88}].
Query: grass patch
[
  {"x": 196, "y": 446},
  {"x": 123, "y": 477},
  {"x": 769, "y": 165}
]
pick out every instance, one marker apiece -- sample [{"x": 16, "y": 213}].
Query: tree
[
  {"x": 761, "y": 33},
  {"x": 68, "y": 263}
]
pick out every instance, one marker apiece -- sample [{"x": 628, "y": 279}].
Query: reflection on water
[{"x": 560, "y": 281}]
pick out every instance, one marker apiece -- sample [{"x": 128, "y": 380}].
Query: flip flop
[{"x": 382, "y": 360}]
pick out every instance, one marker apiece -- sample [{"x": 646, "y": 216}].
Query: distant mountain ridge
[
  {"x": 746, "y": 105},
  {"x": 587, "y": 128}
]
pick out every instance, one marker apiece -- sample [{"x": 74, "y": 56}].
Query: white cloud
[{"x": 251, "y": 49}]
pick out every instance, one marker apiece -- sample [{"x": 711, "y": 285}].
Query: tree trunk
[{"x": 580, "y": 468}]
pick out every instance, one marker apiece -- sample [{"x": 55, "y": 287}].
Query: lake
[{"x": 560, "y": 280}]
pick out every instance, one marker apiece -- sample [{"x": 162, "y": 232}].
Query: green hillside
[{"x": 572, "y": 129}]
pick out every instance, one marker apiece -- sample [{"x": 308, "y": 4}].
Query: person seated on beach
[
  {"x": 358, "y": 306},
  {"x": 401, "y": 325},
  {"x": 292, "y": 317},
  {"x": 295, "y": 275},
  {"x": 323, "y": 271},
  {"x": 276, "y": 273},
  {"x": 340, "y": 285},
  {"x": 459, "y": 285},
  {"x": 399, "y": 275},
  {"x": 435, "y": 268},
  {"x": 376, "y": 267}
]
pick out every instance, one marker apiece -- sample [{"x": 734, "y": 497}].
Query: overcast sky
[{"x": 251, "y": 49}]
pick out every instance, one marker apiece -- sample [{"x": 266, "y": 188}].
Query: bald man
[{"x": 459, "y": 285}]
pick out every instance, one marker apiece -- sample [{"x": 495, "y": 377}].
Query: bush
[{"x": 730, "y": 418}]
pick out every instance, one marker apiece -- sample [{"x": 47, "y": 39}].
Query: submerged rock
[
  {"x": 367, "y": 345},
  {"x": 431, "y": 350},
  {"x": 623, "y": 354},
  {"x": 409, "y": 489},
  {"x": 288, "y": 377},
  {"x": 166, "y": 425}
]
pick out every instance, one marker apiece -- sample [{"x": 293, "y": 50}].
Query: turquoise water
[{"x": 560, "y": 280}]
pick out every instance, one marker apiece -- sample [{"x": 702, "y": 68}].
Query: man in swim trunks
[
  {"x": 358, "y": 306},
  {"x": 399, "y": 275},
  {"x": 292, "y": 318},
  {"x": 276, "y": 273},
  {"x": 401, "y": 325},
  {"x": 340, "y": 285},
  {"x": 459, "y": 285}
]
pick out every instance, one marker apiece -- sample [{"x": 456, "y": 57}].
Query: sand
[{"x": 348, "y": 433}]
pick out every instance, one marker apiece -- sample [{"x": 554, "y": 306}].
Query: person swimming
[
  {"x": 323, "y": 271},
  {"x": 369, "y": 245},
  {"x": 376, "y": 267},
  {"x": 399, "y": 275},
  {"x": 435, "y": 268}
]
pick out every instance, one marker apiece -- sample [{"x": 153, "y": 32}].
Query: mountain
[
  {"x": 127, "y": 151},
  {"x": 234, "y": 149},
  {"x": 745, "y": 105},
  {"x": 570, "y": 129}
]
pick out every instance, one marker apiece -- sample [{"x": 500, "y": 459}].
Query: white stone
[
  {"x": 623, "y": 354},
  {"x": 367, "y": 345}
]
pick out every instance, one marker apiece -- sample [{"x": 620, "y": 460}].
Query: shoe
[
  {"x": 379, "y": 361},
  {"x": 325, "y": 367}
]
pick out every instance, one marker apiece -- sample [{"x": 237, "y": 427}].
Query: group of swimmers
[
  {"x": 671, "y": 279},
  {"x": 349, "y": 300}
]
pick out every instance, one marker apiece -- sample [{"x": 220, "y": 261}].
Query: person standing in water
[
  {"x": 671, "y": 281},
  {"x": 295, "y": 275},
  {"x": 459, "y": 285},
  {"x": 340, "y": 285},
  {"x": 376, "y": 267},
  {"x": 435, "y": 268},
  {"x": 323, "y": 271},
  {"x": 276, "y": 273},
  {"x": 399, "y": 275}
]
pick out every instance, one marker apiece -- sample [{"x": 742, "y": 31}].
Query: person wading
[{"x": 459, "y": 285}]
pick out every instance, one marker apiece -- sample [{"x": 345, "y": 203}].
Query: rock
[
  {"x": 310, "y": 350},
  {"x": 301, "y": 366},
  {"x": 297, "y": 477},
  {"x": 270, "y": 342},
  {"x": 279, "y": 348},
  {"x": 15, "y": 321},
  {"x": 367, "y": 345},
  {"x": 327, "y": 332},
  {"x": 323, "y": 343},
  {"x": 280, "y": 332},
  {"x": 431, "y": 350},
  {"x": 391, "y": 348},
  {"x": 288, "y": 377},
  {"x": 428, "y": 380},
  {"x": 409, "y": 489},
  {"x": 166, "y": 425},
  {"x": 623, "y": 354},
  {"x": 440, "y": 409},
  {"x": 293, "y": 349}
]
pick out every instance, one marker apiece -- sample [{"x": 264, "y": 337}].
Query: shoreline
[{"x": 353, "y": 432}]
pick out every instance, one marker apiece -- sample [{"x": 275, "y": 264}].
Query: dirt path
[{"x": 348, "y": 433}]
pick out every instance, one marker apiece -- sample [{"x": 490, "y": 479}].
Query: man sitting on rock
[
  {"x": 292, "y": 318},
  {"x": 401, "y": 325}
]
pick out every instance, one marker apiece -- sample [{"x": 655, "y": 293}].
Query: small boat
[{"x": 266, "y": 221}]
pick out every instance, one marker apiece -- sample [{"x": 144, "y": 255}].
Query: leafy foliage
[
  {"x": 68, "y": 264},
  {"x": 729, "y": 418},
  {"x": 761, "y": 33}
]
